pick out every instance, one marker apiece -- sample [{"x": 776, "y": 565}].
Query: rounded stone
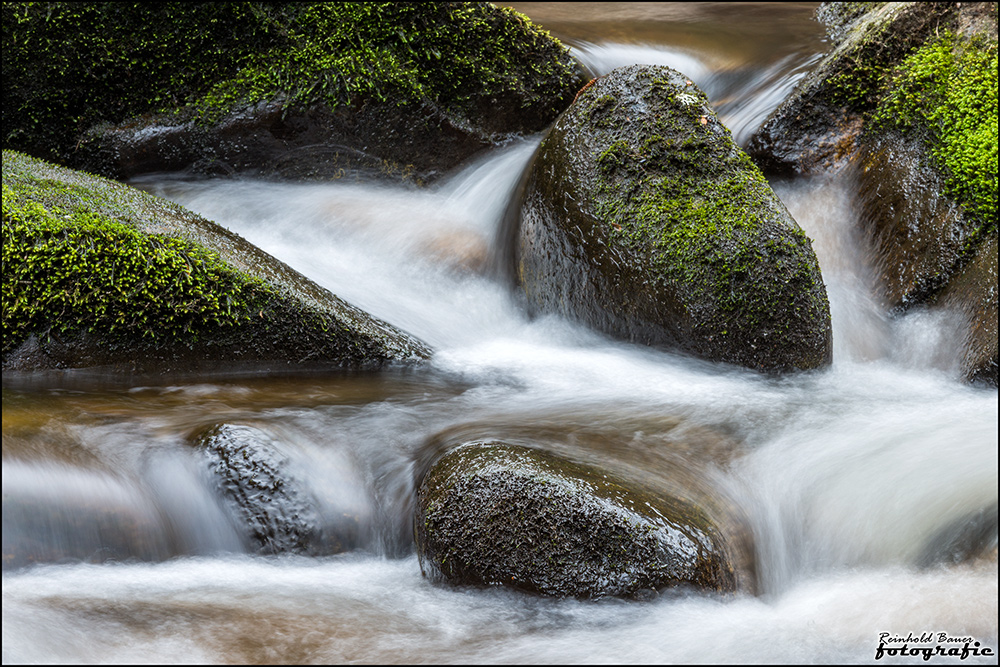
[{"x": 643, "y": 219}]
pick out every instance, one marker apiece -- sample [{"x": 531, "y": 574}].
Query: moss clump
[
  {"x": 947, "y": 93},
  {"x": 696, "y": 217},
  {"x": 71, "y": 270},
  {"x": 68, "y": 66}
]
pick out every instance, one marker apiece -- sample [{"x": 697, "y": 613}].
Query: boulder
[
  {"x": 99, "y": 274},
  {"x": 496, "y": 514},
  {"x": 642, "y": 218},
  {"x": 272, "y": 509},
  {"x": 316, "y": 90},
  {"x": 907, "y": 101}
]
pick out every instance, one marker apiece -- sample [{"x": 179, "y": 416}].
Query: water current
[{"x": 856, "y": 480}]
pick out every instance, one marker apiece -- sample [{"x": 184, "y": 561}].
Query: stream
[{"x": 860, "y": 482}]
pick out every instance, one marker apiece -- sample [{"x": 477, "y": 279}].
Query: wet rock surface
[
  {"x": 268, "y": 141},
  {"x": 275, "y": 512},
  {"x": 642, "y": 218},
  {"x": 496, "y": 514},
  {"x": 816, "y": 129},
  {"x": 971, "y": 538}
]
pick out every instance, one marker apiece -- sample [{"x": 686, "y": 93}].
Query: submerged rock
[
  {"x": 97, "y": 273},
  {"x": 496, "y": 514},
  {"x": 95, "y": 527},
  {"x": 970, "y": 538},
  {"x": 289, "y": 90},
  {"x": 276, "y": 512},
  {"x": 642, "y": 218},
  {"x": 907, "y": 101}
]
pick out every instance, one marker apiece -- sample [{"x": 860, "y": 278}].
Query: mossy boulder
[
  {"x": 496, "y": 514},
  {"x": 814, "y": 130},
  {"x": 273, "y": 510},
  {"x": 907, "y": 101},
  {"x": 295, "y": 90},
  {"x": 97, "y": 273},
  {"x": 642, "y": 218}
]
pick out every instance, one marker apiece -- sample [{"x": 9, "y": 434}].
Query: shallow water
[{"x": 855, "y": 480}]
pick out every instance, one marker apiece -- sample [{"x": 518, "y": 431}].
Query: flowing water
[{"x": 860, "y": 482}]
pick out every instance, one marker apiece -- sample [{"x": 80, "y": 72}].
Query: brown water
[{"x": 853, "y": 479}]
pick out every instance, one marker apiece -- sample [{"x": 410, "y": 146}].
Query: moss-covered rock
[
  {"x": 908, "y": 100},
  {"x": 273, "y": 511},
  {"x": 642, "y": 218},
  {"x": 496, "y": 514},
  {"x": 97, "y": 273},
  {"x": 815, "y": 129},
  {"x": 278, "y": 89}
]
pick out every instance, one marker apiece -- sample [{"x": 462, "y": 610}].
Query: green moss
[
  {"x": 884, "y": 36},
  {"x": 70, "y": 269},
  {"x": 68, "y": 65},
  {"x": 695, "y": 213},
  {"x": 947, "y": 92},
  {"x": 110, "y": 274},
  {"x": 450, "y": 54}
]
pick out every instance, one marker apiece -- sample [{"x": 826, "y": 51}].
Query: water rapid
[{"x": 860, "y": 482}]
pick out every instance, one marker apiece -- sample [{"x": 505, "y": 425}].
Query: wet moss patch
[{"x": 69, "y": 270}]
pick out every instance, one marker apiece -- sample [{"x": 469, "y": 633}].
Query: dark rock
[
  {"x": 972, "y": 537},
  {"x": 276, "y": 512},
  {"x": 108, "y": 275},
  {"x": 269, "y": 141},
  {"x": 971, "y": 293},
  {"x": 917, "y": 234},
  {"x": 495, "y": 514},
  {"x": 643, "y": 219}
]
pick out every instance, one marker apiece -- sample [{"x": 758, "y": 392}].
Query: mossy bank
[
  {"x": 297, "y": 90},
  {"x": 907, "y": 103},
  {"x": 97, "y": 273},
  {"x": 642, "y": 218}
]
